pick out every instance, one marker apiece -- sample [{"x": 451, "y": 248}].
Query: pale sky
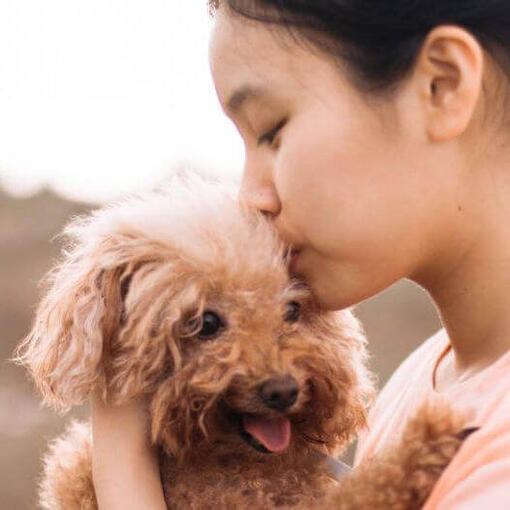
[{"x": 104, "y": 97}]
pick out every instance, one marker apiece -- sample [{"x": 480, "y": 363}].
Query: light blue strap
[{"x": 337, "y": 468}]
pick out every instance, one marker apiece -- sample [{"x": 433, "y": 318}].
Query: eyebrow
[{"x": 243, "y": 94}]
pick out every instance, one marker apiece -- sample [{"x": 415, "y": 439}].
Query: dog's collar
[{"x": 336, "y": 468}]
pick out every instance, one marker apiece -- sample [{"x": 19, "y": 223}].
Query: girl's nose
[{"x": 260, "y": 195}]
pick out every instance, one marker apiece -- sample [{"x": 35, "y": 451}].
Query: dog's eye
[
  {"x": 293, "y": 312},
  {"x": 211, "y": 324}
]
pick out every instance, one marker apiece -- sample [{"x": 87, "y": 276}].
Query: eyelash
[{"x": 271, "y": 135}]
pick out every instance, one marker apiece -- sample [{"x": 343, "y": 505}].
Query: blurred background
[{"x": 99, "y": 99}]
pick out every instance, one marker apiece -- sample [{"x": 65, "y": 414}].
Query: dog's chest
[{"x": 237, "y": 485}]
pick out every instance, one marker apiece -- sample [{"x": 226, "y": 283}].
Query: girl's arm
[{"x": 124, "y": 464}]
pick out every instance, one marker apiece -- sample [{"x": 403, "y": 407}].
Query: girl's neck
[
  {"x": 476, "y": 316},
  {"x": 471, "y": 285}
]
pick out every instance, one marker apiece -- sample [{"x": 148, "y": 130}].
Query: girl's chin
[
  {"x": 329, "y": 293},
  {"x": 319, "y": 278},
  {"x": 334, "y": 283}
]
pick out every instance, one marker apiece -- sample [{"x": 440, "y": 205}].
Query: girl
[{"x": 377, "y": 142}]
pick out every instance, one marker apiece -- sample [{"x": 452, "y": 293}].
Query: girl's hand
[{"x": 124, "y": 464}]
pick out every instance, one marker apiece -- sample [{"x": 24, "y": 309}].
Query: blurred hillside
[
  {"x": 27, "y": 227},
  {"x": 396, "y": 322}
]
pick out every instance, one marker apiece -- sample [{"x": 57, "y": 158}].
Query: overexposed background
[
  {"x": 104, "y": 97},
  {"x": 99, "y": 98}
]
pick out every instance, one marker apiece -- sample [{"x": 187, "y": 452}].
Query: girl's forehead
[
  {"x": 238, "y": 42},
  {"x": 253, "y": 55},
  {"x": 247, "y": 37}
]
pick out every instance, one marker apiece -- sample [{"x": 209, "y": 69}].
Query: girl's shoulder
[
  {"x": 400, "y": 397},
  {"x": 478, "y": 477}
]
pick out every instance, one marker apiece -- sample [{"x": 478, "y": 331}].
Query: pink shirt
[{"x": 479, "y": 476}]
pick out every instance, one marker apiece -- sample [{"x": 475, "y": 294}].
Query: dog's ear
[
  {"x": 158, "y": 313},
  {"x": 342, "y": 381},
  {"x": 67, "y": 350}
]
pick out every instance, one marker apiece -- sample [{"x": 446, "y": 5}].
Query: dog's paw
[{"x": 430, "y": 441}]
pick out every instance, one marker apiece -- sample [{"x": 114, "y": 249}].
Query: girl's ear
[
  {"x": 67, "y": 350},
  {"x": 449, "y": 73}
]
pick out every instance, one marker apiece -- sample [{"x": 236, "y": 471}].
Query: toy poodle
[{"x": 183, "y": 296}]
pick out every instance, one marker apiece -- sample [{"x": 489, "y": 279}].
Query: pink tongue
[{"x": 273, "y": 434}]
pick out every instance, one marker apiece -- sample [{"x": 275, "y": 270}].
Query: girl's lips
[{"x": 293, "y": 257}]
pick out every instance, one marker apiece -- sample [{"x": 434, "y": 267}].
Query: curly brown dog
[{"x": 184, "y": 296}]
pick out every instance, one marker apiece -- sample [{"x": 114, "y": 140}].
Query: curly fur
[
  {"x": 122, "y": 315},
  {"x": 71, "y": 453},
  {"x": 403, "y": 477}
]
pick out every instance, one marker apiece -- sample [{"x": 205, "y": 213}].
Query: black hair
[{"x": 380, "y": 40}]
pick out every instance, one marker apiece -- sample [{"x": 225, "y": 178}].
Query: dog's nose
[{"x": 279, "y": 393}]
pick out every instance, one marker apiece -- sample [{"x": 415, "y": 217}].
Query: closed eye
[{"x": 270, "y": 135}]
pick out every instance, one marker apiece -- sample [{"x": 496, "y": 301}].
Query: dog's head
[{"x": 184, "y": 296}]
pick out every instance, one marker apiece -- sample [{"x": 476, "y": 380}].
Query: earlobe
[{"x": 451, "y": 69}]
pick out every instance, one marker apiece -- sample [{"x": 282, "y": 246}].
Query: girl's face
[{"x": 350, "y": 182}]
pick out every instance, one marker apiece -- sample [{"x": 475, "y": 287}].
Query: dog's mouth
[{"x": 266, "y": 435}]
